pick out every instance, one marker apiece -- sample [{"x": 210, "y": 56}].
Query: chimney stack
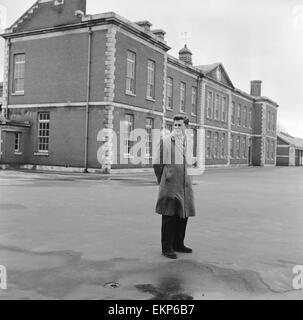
[
  {"x": 255, "y": 88},
  {"x": 185, "y": 55},
  {"x": 144, "y": 24},
  {"x": 159, "y": 33}
]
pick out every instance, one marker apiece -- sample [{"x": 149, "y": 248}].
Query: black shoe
[
  {"x": 183, "y": 249},
  {"x": 169, "y": 254}
]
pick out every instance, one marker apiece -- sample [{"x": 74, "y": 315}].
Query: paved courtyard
[{"x": 76, "y": 236}]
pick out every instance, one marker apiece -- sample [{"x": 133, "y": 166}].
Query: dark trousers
[{"x": 173, "y": 232}]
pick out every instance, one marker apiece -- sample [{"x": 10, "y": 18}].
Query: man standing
[{"x": 175, "y": 200}]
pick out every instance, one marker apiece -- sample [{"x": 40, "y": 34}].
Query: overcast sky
[{"x": 254, "y": 39}]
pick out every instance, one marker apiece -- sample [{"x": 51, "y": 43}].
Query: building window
[
  {"x": 273, "y": 126},
  {"x": 233, "y": 113},
  {"x": 169, "y": 89},
  {"x": 223, "y": 141},
  {"x": 17, "y": 142},
  {"x": 182, "y": 96},
  {"x": 268, "y": 119},
  {"x": 151, "y": 79},
  {"x": 128, "y": 134},
  {"x": 232, "y": 150},
  {"x": 43, "y": 131},
  {"x": 209, "y": 104},
  {"x": 267, "y": 149},
  {"x": 216, "y": 145},
  {"x": 208, "y": 144},
  {"x": 131, "y": 72},
  {"x": 250, "y": 118},
  {"x": 217, "y": 107},
  {"x": 238, "y": 147},
  {"x": 224, "y": 109},
  {"x": 245, "y": 116},
  {"x": 239, "y": 115},
  {"x": 19, "y": 71},
  {"x": 244, "y": 147},
  {"x": 148, "y": 129},
  {"x": 194, "y": 101}
]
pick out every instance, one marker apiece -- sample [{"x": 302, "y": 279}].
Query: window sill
[
  {"x": 169, "y": 109},
  {"x": 18, "y": 153},
  {"x": 21, "y": 93},
  {"x": 150, "y": 99},
  {"x": 193, "y": 115},
  {"x": 41, "y": 154},
  {"x": 183, "y": 112},
  {"x": 128, "y": 93}
]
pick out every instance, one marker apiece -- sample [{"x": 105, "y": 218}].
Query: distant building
[
  {"x": 289, "y": 150},
  {"x": 68, "y": 75}
]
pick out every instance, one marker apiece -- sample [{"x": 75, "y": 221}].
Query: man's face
[{"x": 179, "y": 127}]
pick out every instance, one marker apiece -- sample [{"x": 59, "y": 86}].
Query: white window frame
[
  {"x": 223, "y": 146},
  {"x": 127, "y": 134},
  {"x": 224, "y": 109},
  {"x": 239, "y": 115},
  {"x": 151, "y": 77},
  {"x": 210, "y": 96},
  {"x": 233, "y": 113},
  {"x": 19, "y": 66},
  {"x": 169, "y": 93},
  {"x": 217, "y": 107},
  {"x": 148, "y": 138},
  {"x": 245, "y": 115},
  {"x": 183, "y": 97},
  {"x": 208, "y": 144},
  {"x": 45, "y": 127},
  {"x": 17, "y": 142},
  {"x": 194, "y": 94},
  {"x": 131, "y": 72}
]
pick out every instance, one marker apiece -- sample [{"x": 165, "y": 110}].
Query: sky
[{"x": 254, "y": 39}]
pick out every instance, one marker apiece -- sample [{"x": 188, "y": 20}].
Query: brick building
[
  {"x": 69, "y": 75},
  {"x": 289, "y": 150}
]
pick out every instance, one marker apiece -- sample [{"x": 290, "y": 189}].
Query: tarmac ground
[{"x": 90, "y": 236}]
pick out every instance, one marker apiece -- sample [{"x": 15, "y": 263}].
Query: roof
[
  {"x": 185, "y": 50},
  {"x": 297, "y": 142},
  {"x": 208, "y": 67}
]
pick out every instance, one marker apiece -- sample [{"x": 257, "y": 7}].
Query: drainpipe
[
  {"x": 199, "y": 115},
  {"x": 88, "y": 98},
  {"x": 9, "y": 44}
]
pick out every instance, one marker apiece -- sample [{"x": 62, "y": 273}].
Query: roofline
[
  {"x": 90, "y": 21},
  {"x": 265, "y": 99},
  {"x": 185, "y": 66},
  {"x": 15, "y": 123}
]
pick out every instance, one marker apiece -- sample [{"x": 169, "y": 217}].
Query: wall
[{"x": 143, "y": 53}]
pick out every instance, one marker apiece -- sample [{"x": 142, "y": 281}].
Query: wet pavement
[{"x": 77, "y": 236}]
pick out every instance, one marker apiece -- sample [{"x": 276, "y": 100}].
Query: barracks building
[{"x": 69, "y": 75}]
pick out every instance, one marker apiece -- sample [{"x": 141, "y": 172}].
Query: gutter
[{"x": 88, "y": 85}]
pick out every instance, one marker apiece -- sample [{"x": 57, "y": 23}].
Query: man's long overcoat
[{"x": 175, "y": 183}]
